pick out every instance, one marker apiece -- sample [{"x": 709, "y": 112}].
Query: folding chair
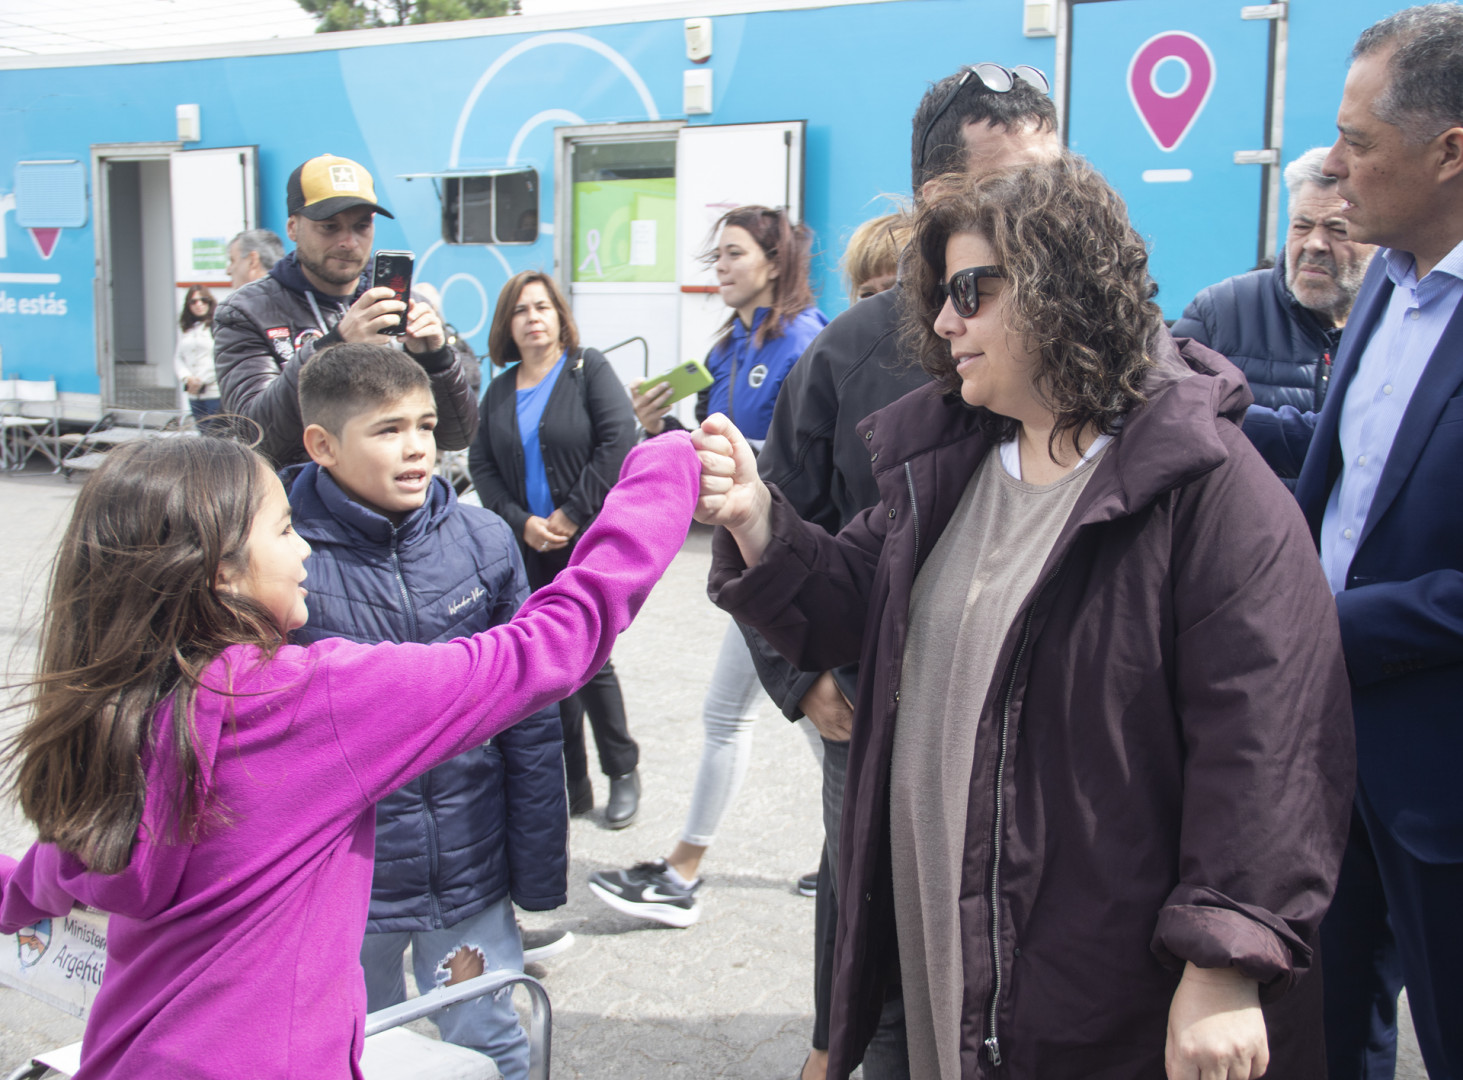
[
  {"x": 30, "y": 421},
  {"x": 393, "y": 1052},
  {"x": 85, "y": 451}
]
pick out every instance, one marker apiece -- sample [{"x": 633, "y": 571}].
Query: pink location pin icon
[{"x": 1168, "y": 116}]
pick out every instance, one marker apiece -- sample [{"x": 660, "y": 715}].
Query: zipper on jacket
[
  {"x": 913, "y": 510},
  {"x": 429, "y": 817},
  {"x": 411, "y": 612},
  {"x": 993, "y": 1041},
  {"x": 434, "y": 887},
  {"x": 731, "y": 385}
]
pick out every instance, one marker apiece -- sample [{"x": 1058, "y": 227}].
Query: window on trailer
[{"x": 499, "y": 208}]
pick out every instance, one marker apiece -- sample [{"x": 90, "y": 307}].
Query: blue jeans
[{"x": 487, "y": 1024}]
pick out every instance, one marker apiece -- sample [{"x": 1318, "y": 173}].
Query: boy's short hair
[{"x": 344, "y": 380}]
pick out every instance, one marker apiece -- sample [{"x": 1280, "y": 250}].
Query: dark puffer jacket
[
  {"x": 266, "y": 331},
  {"x": 1283, "y": 347},
  {"x": 491, "y": 821},
  {"x": 1163, "y": 765},
  {"x": 816, "y": 458}
]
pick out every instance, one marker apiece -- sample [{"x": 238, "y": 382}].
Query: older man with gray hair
[
  {"x": 251, "y": 255},
  {"x": 1282, "y": 326}
]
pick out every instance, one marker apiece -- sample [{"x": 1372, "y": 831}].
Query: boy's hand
[{"x": 539, "y": 535}]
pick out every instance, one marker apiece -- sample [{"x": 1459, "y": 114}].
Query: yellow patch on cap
[{"x": 329, "y": 177}]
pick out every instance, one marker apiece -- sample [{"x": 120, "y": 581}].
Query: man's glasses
[
  {"x": 961, "y": 288},
  {"x": 996, "y": 79}
]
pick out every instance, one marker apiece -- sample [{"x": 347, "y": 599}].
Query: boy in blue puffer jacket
[{"x": 398, "y": 558}]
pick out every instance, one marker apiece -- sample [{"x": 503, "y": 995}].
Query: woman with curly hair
[{"x": 1098, "y": 785}]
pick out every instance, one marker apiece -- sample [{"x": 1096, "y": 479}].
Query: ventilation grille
[{"x": 50, "y": 194}]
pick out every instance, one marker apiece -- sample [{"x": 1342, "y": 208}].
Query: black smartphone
[{"x": 393, "y": 269}]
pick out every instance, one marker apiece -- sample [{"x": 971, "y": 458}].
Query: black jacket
[
  {"x": 817, "y": 459},
  {"x": 494, "y": 820},
  {"x": 1283, "y": 348},
  {"x": 585, "y": 432},
  {"x": 266, "y": 331}
]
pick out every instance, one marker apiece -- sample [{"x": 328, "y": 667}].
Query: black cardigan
[{"x": 585, "y": 432}]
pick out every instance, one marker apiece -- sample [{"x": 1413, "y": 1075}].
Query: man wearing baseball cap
[{"x": 317, "y": 296}]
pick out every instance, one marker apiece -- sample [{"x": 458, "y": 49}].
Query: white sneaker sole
[
  {"x": 553, "y": 948},
  {"x": 667, "y": 914}
]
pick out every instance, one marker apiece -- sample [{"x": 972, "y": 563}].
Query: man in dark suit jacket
[{"x": 1381, "y": 482}]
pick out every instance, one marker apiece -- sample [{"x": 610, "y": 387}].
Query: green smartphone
[{"x": 685, "y": 379}]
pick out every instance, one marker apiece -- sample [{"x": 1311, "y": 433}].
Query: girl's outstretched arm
[{"x": 398, "y": 710}]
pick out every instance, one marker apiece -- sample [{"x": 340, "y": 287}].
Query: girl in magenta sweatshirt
[{"x": 213, "y": 788}]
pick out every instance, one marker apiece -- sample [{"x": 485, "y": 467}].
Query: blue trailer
[{"x": 601, "y": 146}]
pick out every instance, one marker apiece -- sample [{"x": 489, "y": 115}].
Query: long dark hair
[
  {"x": 788, "y": 247},
  {"x": 502, "y": 349},
  {"x": 187, "y": 321},
  {"x": 1077, "y": 275},
  {"x": 134, "y": 617}
]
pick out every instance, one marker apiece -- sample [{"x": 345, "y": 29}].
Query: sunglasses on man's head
[
  {"x": 996, "y": 79},
  {"x": 962, "y": 291}
]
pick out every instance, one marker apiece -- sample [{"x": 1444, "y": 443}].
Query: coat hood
[
  {"x": 324, "y": 513},
  {"x": 1164, "y": 443}
]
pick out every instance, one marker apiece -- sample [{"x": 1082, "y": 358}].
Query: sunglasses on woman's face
[
  {"x": 996, "y": 79},
  {"x": 962, "y": 291}
]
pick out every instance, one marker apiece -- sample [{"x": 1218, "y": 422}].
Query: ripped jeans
[{"x": 487, "y": 1024}]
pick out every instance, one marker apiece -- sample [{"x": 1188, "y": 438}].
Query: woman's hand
[
  {"x": 651, "y": 405},
  {"x": 559, "y": 522},
  {"x": 540, "y": 535},
  {"x": 1215, "y": 1028},
  {"x": 732, "y": 494}
]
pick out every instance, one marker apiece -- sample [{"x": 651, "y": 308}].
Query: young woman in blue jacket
[{"x": 761, "y": 260}]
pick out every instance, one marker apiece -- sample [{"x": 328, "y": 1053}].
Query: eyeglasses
[
  {"x": 961, "y": 288},
  {"x": 996, "y": 79}
]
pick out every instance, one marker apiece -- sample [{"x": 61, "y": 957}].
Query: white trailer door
[
  {"x": 215, "y": 197},
  {"x": 718, "y": 168}
]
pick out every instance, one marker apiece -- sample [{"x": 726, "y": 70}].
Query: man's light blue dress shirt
[{"x": 1400, "y": 347}]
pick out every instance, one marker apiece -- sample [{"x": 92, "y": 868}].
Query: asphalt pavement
[{"x": 728, "y": 997}]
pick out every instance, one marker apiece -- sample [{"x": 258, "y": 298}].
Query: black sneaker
[
  {"x": 808, "y": 884},
  {"x": 539, "y": 945},
  {"x": 647, "y": 891}
]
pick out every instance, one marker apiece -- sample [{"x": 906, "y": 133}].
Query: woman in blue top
[
  {"x": 761, "y": 260},
  {"x": 555, "y": 428}
]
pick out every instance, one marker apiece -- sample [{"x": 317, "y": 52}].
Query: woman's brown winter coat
[{"x": 1163, "y": 766}]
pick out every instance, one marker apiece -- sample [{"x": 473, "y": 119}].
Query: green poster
[
  {"x": 210, "y": 253},
  {"x": 625, "y": 230}
]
